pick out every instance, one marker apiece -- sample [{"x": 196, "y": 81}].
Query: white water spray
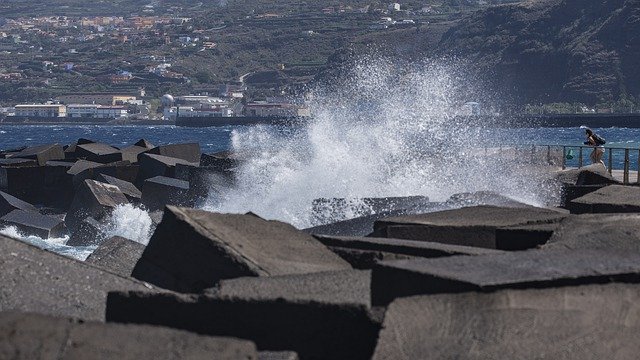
[
  {"x": 129, "y": 222},
  {"x": 386, "y": 132},
  {"x": 52, "y": 244}
]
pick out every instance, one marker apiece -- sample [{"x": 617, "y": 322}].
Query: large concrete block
[
  {"x": 594, "y": 174},
  {"x": 26, "y": 336},
  {"x": 8, "y": 203},
  {"x": 41, "y": 153},
  {"x": 25, "y": 183},
  {"x": 478, "y": 198},
  {"x": 88, "y": 232},
  {"x": 278, "y": 355},
  {"x": 523, "y": 237},
  {"x": 365, "y": 252},
  {"x": 332, "y": 287},
  {"x": 117, "y": 254},
  {"x": 609, "y": 199},
  {"x": 581, "y": 322},
  {"x": 33, "y": 223},
  {"x": 329, "y": 210},
  {"x": 602, "y": 231},
  {"x": 471, "y": 226},
  {"x": 98, "y": 152},
  {"x": 189, "y": 152},
  {"x": 144, "y": 143},
  {"x": 40, "y": 281},
  {"x": 157, "y": 165},
  {"x": 522, "y": 269},
  {"x": 122, "y": 170},
  {"x": 571, "y": 192},
  {"x": 160, "y": 191},
  {"x": 127, "y": 188},
  {"x": 130, "y": 153},
  {"x": 93, "y": 199},
  {"x": 204, "y": 181},
  {"x": 18, "y": 162},
  {"x": 315, "y": 330},
  {"x": 191, "y": 250}
]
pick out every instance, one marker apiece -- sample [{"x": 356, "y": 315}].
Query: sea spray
[
  {"x": 385, "y": 131},
  {"x": 52, "y": 244},
  {"x": 130, "y": 222}
]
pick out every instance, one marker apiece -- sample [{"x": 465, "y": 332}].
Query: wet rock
[
  {"x": 41, "y": 153},
  {"x": 93, "y": 199},
  {"x": 204, "y": 181},
  {"x": 40, "y": 281},
  {"x": 9, "y": 203},
  {"x": 33, "y": 223},
  {"x": 34, "y": 336},
  {"x": 220, "y": 162},
  {"x": 128, "y": 189},
  {"x": 471, "y": 226},
  {"x": 157, "y": 165},
  {"x": 159, "y": 191},
  {"x": 581, "y": 322},
  {"x": 609, "y": 199},
  {"x": 365, "y": 252},
  {"x": 144, "y": 143},
  {"x": 117, "y": 254},
  {"x": 327, "y": 210},
  {"x": 189, "y": 152},
  {"x": 191, "y": 250},
  {"x": 482, "y": 198},
  {"x": 88, "y": 232},
  {"x": 530, "y": 269},
  {"x": 602, "y": 232},
  {"x": 98, "y": 152},
  {"x": 339, "y": 287},
  {"x": 315, "y": 330}
]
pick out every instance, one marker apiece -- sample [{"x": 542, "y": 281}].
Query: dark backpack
[{"x": 599, "y": 139}]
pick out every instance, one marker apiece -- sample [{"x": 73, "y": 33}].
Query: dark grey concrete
[
  {"x": 191, "y": 250},
  {"x": 602, "y": 231},
  {"x": 130, "y": 153},
  {"x": 609, "y": 199},
  {"x": 9, "y": 203},
  {"x": 93, "y": 199},
  {"x": 530, "y": 269},
  {"x": 482, "y": 198},
  {"x": 23, "y": 182},
  {"x": 332, "y": 287},
  {"x": 34, "y": 223},
  {"x": 314, "y": 330},
  {"x": 88, "y": 232},
  {"x": 40, "y": 281},
  {"x": 594, "y": 174},
  {"x": 41, "y": 153},
  {"x": 128, "y": 189},
  {"x": 117, "y": 254},
  {"x": 523, "y": 237},
  {"x": 582, "y": 322},
  {"x": 18, "y": 162},
  {"x": 189, "y": 152},
  {"x": 326, "y": 210},
  {"x": 26, "y": 336},
  {"x": 471, "y": 226},
  {"x": 160, "y": 191},
  {"x": 144, "y": 143},
  {"x": 157, "y": 165},
  {"x": 98, "y": 152},
  {"x": 278, "y": 355}
]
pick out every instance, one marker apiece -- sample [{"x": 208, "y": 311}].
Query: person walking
[{"x": 597, "y": 142}]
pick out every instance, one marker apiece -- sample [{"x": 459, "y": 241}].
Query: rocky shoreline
[{"x": 477, "y": 276}]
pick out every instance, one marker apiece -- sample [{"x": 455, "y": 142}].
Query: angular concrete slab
[
  {"x": 471, "y": 226},
  {"x": 530, "y": 269},
  {"x": 117, "y": 254},
  {"x": 9, "y": 203},
  {"x": 189, "y": 152},
  {"x": 581, "y": 322},
  {"x": 334, "y": 287},
  {"x": 365, "y": 252},
  {"x": 34, "y": 336},
  {"x": 40, "y": 281},
  {"x": 572, "y": 192},
  {"x": 18, "y": 162},
  {"x": 314, "y": 330},
  {"x": 25, "y": 183},
  {"x": 594, "y": 174},
  {"x": 523, "y": 237},
  {"x": 328, "y": 210},
  {"x": 98, "y": 152},
  {"x": 191, "y": 250},
  {"x": 41, "y": 153},
  {"x": 278, "y": 355},
  {"x": 602, "y": 232},
  {"x": 160, "y": 191},
  {"x": 34, "y": 223},
  {"x": 144, "y": 143},
  {"x": 157, "y": 165},
  {"x": 93, "y": 199},
  {"x": 130, "y": 153},
  {"x": 128, "y": 189},
  {"x": 88, "y": 232},
  {"x": 479, "y": 198},
  {"x": 609, "y": 199}
]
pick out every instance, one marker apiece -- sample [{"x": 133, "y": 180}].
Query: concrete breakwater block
[
  {"x": 594, "y": 174},
  {"x": 471, "y": 226},
  {"x": 25, "y": 183},
  {"x": 33, "y": 223},
  {"x": 8, "y": 203},
  {"x": 127, "y": 188},
  {"x": 130, "y": 153},
  {"x": 116, "y": 254},
  {"x": 602, "y": 231},
  {"x": 523, "y": 237},
  {"x": 327, "y": 210},
  {"x": 35, "y": 336},
  {"x": 158, "y": 165},
  {"x": 278, "y": 355},
  {"x": 18, "y": 162},
  {"x": 36, "y": 280},
  {"x": 336, "y": 287},
  {"x": 98, "y": 152},
  {"x": 571, "y": 192},
  {"x": 193, "y": 249},
  {"x": 478, "y": 198},
  {"x": 89, "y": 232},
  {"x": 189, "y": 152},
  {"x": 160, "y": 191},
  {"x": 574, "y": 322},
  {"x": 41, "y": 153},
  {"x": 144, "y": 143},
  {"x": 204, "y": 181},
  {"x": 609, "y": 199},
  {"x": 122, "y": 170},
  {"x": 313, "y": 329},
  {"x": 93, "y": 199},
  {"x": 365, "y": 252},
  {"x": 531, "y": 269}
]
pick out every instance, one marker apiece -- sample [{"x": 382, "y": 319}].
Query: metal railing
[{"x": 609, "y": 154}]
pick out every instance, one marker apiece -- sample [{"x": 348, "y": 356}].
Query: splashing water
[
  {"x": 52, "y": 244},
  {"x": 129, "y": 222},
  {"x": 385, "y": 131}
]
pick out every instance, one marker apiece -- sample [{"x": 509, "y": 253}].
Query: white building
[
  {"x": 41, "y": 110},
  {"x": 394, "y": 7},
  {"x": 188, "y": 111},
  {"x": 266, "y": 109},
  {"x": 96, "y": 111}
]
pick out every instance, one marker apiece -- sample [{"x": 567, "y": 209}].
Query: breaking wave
[
  {"x": 56, "y": 245},
  {"x": 130, "y": 222}
]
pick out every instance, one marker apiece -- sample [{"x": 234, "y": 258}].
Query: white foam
[
  {"x": 52, "y": 244},
  {"x": 129, "y": 222}
]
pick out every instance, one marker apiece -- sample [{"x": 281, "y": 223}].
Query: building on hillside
[
  {"x": 96, "y": 111},
  {"x": 96, "y": 98},
  {"x": 267, "y": 109},
  {"x": 394, "y": 7},
  {"x": 41, "y": 110}
]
